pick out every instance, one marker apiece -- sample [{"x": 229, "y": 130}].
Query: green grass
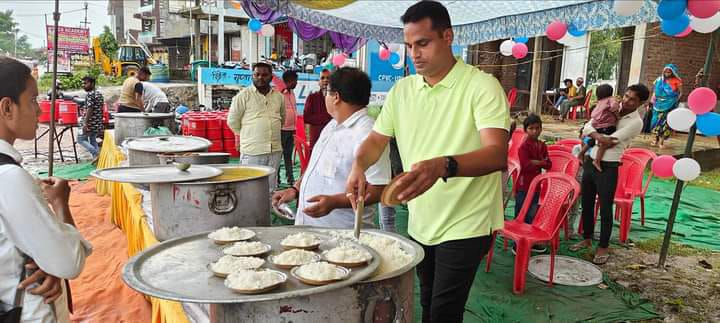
[
  {"x": 676, "y": 249},
  {"x": 708, "y": 179}
]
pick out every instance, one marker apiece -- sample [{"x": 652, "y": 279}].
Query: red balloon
[
  {"x": 556, "y": 30},
  {"x": 703, "y": 8},
  {"x": 662, "y": 166},
  {"x": 687, "y": 31},
  {"x": 519, "y": 50},
  {"x": 384, "y": 54},
  {"x": 702, "y": 100}
]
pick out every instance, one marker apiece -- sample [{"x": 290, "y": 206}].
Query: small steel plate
[{"x": 568, "y": 271}]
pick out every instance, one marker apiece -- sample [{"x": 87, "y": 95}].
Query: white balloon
[
  {"x": 627, "y": 7},
  {"x": 506, "y": 47},
  {"x": 681, "y": 119},
  {"x": 686, "y": 169},
  {"x": 394, "y": 47},
  {"x": 707, "y": 25},
  {"x": 572, "y": 41},
  {"x": 267, "y": 30}
]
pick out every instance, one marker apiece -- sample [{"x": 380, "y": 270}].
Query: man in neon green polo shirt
[{"x": 451, "y": 125}]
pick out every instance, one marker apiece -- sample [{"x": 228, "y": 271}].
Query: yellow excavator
[{"x": 129, "y": 60}]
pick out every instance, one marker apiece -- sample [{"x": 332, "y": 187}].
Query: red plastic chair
[
  {"x": 513, "y": 170},
  {"x": 512, "y": 97},
  {"x": 515, "y": 141},
  {"x": 565, "y": 163},
  {"x": 639, "y": 189},
  {"x": 570, "y": 143},
  {"x": 561, "y": 193},
  {"x": 300, "y": 127},
  {"x": 630, "y": 169},
  {"x": 557, "y": 147},
  {"x": 584, "y": 108},
  {"x": 302, "y": 150}
]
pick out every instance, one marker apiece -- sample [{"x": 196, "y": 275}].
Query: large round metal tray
[
  {"x": 155, "y": 174},
  {"x": 177, "y": 270},
  {"x": 144, "y": 115},
  {"x": 412, "y": 248},
  {"x": 569, "y": 271}
]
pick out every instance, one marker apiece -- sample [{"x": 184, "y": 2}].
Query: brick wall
[
  {"x": 687, "y": 53},
  {"x": 487, "y": 57}
]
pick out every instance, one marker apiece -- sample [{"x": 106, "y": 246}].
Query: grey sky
[{"x": 30, "y": 15}]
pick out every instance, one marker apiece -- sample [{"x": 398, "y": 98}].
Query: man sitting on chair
[
  {"x": 577, "y": 99},
  {"x": 321, "y": 192}
]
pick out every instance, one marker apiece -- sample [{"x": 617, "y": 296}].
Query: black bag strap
[{"x": 5, "y": 159}]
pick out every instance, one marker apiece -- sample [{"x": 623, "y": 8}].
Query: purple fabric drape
[
  {"x": 305, "y": 31},
  {"x": 260, "y": 12}
]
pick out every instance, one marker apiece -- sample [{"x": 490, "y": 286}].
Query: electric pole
[{"x": 85, "y": 22}]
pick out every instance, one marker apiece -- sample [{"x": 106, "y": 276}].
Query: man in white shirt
[
  {"x": 321, "y": 192},
  {"x": 154, "y": 99},
  {"x": 602, "y": 183},
  {"x": 28, "y": 228}
]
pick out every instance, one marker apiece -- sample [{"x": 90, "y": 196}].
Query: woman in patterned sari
[{"x": 668, "y": 89}]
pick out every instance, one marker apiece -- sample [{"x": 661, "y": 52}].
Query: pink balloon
[
  {"x": 384, "y": 54},
  {"x": 702, "y": 100},
  {"x": 556, "y": 30},
  {"x": 519, "y": 50},
  {"x": 662, "y": 166},
  {"x": 338, "y": 60},
  {"x": 703, "y": 8},
  {"x": 687, "y": 31}
]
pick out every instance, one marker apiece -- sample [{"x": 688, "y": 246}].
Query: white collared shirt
[
  {"x": 330, "y": 165},
  {"x": 27, "y": 225},
  {"x": 628, "y": 127}
]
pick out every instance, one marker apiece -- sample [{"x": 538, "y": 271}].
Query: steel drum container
[
  {"x": 145, "y": 150},
  {"x": 134, "y": 124},
  {"x": 239, "y": 197}
]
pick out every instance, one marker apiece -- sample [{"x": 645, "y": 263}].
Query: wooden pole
[
  {"x": 51, "y": 132},
  {"x": 535, "y": 104},
  {"x": 688, "y": 153}
]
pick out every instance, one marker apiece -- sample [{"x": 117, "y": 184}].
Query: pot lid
[
  {"x": 155, "y": 174},
  {"x": 167, "y": 144},
  {"x": 144, "y": 115}
]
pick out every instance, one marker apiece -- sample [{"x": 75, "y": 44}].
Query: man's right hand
[
  {"x": 283, "y": 196},
  {"x": 605, "y": 141},
  {"x": 57, "y": 190},
  {"x": 356, "y": 183}
]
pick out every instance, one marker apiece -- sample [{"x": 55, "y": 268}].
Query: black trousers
[
  {"x": 446, "y": 275},
  {"x": 603, "y": 185},
  {"x": 287, "y": 138},
  {"x": 124, "y": 108}
]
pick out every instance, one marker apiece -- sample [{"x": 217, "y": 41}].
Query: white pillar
[
  {"x": 638, "y": 54},
  {"x": 221, "y": 33}
]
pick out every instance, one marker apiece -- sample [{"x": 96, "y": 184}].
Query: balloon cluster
[
  {"x": 680, "y": 17},
  {"x": 267, "y": 30},
  {"x": 516, "y": 47},
  {"x": 701, "y": 101},
  {"x": 564, "y": 33},
  {"x": 391, "y": 56}
]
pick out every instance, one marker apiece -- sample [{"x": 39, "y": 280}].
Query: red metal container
[
  {"x": 68, "y": 112},
  {"x": 217, "y": 146},
  {"x": 214, "y": 134}
]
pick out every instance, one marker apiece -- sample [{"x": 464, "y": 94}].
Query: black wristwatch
[{"x": 451, "y": 168}]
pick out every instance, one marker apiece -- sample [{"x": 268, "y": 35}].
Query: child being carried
[{"x": 604, "y": 119}]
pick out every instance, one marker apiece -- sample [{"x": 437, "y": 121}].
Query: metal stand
[{"x": 58, "y": 140}]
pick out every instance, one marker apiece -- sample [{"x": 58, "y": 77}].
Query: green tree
[
  {"x": 10, "y": 37},
  {"x": 108, "y": 43},
  {"x": 604, "y": 55}
]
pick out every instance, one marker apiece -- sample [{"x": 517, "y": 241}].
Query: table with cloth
[{"x": 127, "y": 212}]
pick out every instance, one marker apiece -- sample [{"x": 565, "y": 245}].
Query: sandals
[{"x": 601, "y": 259}]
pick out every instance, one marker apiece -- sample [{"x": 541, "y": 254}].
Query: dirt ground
[
  {"x": 40, "y": 163},
  {"x": 684, "y": 291}
]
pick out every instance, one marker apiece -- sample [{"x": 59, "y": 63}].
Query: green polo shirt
[{"x": 442, "y": 120}]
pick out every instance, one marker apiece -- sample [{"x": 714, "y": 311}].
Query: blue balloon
[
  {"x": 573, "y": 30},
  {"x": 672, "y": 27},
  {"x": 254, "y": 25},
  {"x": 709, "y": 124},
  {"x": 394, "y": 58},
  {"x": 521, "y": 39},
  {"x": 671, "y": 9}
]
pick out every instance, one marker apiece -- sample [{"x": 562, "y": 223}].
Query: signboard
[
  {"x": 383, "y": 74},
  {"x": 307, "y": 83},
  {"x": 64, "y": 62},
  {"x": 69, "y": 39}
]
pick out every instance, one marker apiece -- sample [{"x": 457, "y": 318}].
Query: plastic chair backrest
[
  {"x": 645, "y": 156},
  {"x": 300, "y": 128},
  {"x": 512, "y": 96},
  {"x": 515, "y": 141},
  {"x": 561, "y": 193},
  {"x": 557, "y": 147},
  {"x": 513, "y": 170},
  {"x": 303, "y": 150},
  {"x": 564, "y": 162},
  {"x": 630, "y": 177},
  {"x": 588, "y": 96},
  {"x": 569, "y": 142}
]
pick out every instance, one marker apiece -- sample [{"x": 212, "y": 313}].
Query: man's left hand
[
  {"x": 323, "y": 205},
  {"x": 422, "y": 177},
  {"x": 49, "y": 288}
]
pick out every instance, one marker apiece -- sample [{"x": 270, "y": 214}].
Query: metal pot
[
  {"x": 237, "y": 198},
  {"x": 195, "y": 158},
  {"x": 145, "y": 150},
  {"x": 134, "y": 124}
]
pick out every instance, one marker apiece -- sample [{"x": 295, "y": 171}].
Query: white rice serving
[
  {"x": 320, "y": 271},
  {"x": 302, "y": 239},
  {"x": 347, "y": 254},
  {"x": 245, "y": 248},
  {"x": 228, "y": 264},
  {"x": 294, "y": 257},
  {"x": 252, "y": 280},
  {"x": 231, "y": 234}
]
